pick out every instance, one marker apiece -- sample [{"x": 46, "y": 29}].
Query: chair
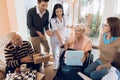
[
  {"x": 63, "y": 69},
  {"x": 3, "y": 41},
  {"x": 89, "y": 59}
]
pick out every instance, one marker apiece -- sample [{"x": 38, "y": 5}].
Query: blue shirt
[{"x": 110, "y": 40}]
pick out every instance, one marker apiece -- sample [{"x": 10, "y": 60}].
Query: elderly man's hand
[{"x": 27, "y": 59}]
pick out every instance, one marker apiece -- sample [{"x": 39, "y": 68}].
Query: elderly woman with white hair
[{"x": 77, "y": 41}]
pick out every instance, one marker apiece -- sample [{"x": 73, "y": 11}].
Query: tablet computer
[{"x": 73, "y": 58}]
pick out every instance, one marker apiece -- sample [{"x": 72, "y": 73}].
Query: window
[
  {"x": 90, "y": 13},
  {"x": 117, "y": 12}
]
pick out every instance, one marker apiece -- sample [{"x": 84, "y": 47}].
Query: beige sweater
[{"x": 108, "y": 51}]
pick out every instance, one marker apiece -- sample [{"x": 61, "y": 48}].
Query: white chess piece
[{"x": 23, "y": 67}]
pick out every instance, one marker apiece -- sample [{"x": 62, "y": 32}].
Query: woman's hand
[
  {"x": 99, "y": 67},
  {"x": 83, "y": 59},
  {"x": 70, "y": 26},
  {"x": 66, "y": 46},
  {"x": 49, "y": 33}
]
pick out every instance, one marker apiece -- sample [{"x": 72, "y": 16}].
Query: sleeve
[
  {"x": 11, "y": 62},
  {"x": 53, "y": 24},
  {"x": 47, "y": 21},
  {"x": 30, "y": 21},
  {"x": 31, "y": 51},
  {"x": 118, "y": 48}
]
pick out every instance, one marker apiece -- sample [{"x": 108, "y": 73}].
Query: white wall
[
  {"x": 76, "y": 9},
  {"x": 4, "y": 20},
  {"x": 21, "y": 18},
  {"x": 109, "y": 8},
  {"x": 12, "y": 15}
]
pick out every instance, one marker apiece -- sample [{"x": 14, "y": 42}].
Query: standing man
[{"x": 37, "y": 21}]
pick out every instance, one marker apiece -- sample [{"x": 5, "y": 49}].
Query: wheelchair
[{"x": 65, "y": 71}]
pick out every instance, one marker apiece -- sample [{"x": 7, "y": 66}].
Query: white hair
[
  {"x": 82, "y": 26},
  {"x": 11, "y": 35}
]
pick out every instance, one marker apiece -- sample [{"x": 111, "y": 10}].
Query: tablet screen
[{"x": 73, "y": 58}]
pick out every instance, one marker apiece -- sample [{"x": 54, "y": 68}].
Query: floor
[{"x": 49, "y": 73}]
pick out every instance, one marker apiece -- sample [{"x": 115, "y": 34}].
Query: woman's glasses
[
  {"x": 78, "y": 30},
  {"x": 105, "y": 25}
]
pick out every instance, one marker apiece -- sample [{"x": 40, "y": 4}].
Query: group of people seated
[
  {"x": 109, "y": 47},
  {"x": 18, "y": 51}
]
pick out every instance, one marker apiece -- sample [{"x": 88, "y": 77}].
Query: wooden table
[{"x": 40, "y": 76}]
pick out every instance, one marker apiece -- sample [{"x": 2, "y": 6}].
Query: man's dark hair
[{"x": 43, "y": 0}]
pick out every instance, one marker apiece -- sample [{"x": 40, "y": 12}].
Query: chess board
[{"x": 26, "y": 75}]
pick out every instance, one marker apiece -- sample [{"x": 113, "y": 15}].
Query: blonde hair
[{"x": 80, "y": 27}]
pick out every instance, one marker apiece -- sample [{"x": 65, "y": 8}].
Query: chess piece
[
  {"x": 23, "y": 67},
  {"x": 8, "y": 76},
  {"x": 19, "y": 78},
  {"x": 26, "y": 77}
]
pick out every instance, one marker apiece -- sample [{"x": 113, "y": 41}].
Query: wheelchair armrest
[
  {"x": 89, "y": 51},
  {"x": 88, "y": 59},
  {"x": 62, "y": 46}
]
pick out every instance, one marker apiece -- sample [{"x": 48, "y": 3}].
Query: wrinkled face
[
  {"x": 17, "y": 40},
  {"x": 59, "y": 12},
  {"x": 42, "y": 6},
  {"x": 106, "y": 27},
  {"x": 78, "y": 32}
]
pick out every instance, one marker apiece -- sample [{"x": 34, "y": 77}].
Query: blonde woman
[{"x": 79, "y": 41}]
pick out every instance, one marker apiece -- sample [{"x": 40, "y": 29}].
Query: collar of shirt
[
  {"x": 109, "y": 41},
  {"x": 38, "y": 12},
  {"x": 15, "y": 45},
  {"x": 59, "y": 20}
]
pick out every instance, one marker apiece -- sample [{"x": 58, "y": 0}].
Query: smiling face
[
  {"x": 79, "y": 31},
  {"x": 106, "y": 27},
  {"x": 16, "y": 40},
  {"x": 42, "y": 6},
  {"x": 58, "y": 12}
]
